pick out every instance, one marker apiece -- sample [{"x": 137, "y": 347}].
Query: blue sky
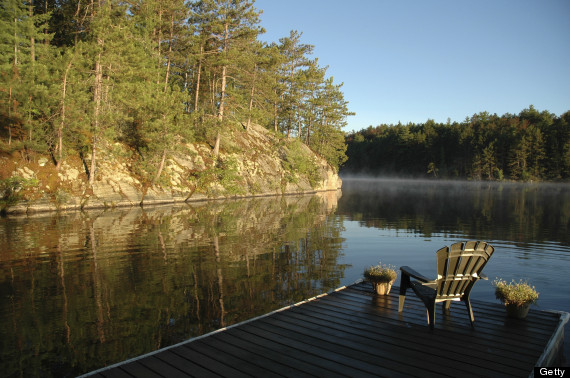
[{"x": 410, "y": 61}]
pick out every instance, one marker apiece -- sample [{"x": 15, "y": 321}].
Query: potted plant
[
  {"x": 517, "y": 297},
  {"x": 382, "y": 277}
]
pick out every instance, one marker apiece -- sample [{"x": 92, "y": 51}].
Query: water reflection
[
  {"x": 525, "y": 213},
  {"x": 82, "y": 290}
]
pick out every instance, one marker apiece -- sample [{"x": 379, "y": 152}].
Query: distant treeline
[{"x": 532, "y": 145}]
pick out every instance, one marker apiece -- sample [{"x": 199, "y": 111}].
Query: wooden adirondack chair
[{"x": 459, "y": 266}]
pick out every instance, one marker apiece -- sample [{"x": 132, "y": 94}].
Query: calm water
[{"x": 82, "y": 290}]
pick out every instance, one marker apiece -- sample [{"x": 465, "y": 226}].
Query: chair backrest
[{"x": 459, "y": 266}]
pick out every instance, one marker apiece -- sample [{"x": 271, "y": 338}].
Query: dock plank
[
  {"x": 278, "y": 362},
  {"x": 366, "y": 351},
  {"x": 324, "y": 357},
  {"x": 406, "y": 336},
  {"x": 512, "y": 331},
  {"x": 353, "y": 332},
  {"x": 115, "y": 373},
  {"x": 402, "y": 349},
  {"x": 185, "y": 365},
  {"x": 208, "y": 361},
  {"x": 257, "y": 365}
]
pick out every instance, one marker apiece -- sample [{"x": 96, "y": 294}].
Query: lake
[{"x": 82, "y": 290}]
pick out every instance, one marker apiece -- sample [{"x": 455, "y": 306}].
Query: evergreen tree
[
  {"x": 312, "y": 80},
  {"x": 23, "y": 71},
  {"x": 328, "y": 137},
  {"x": 294, "y": 61},
  {"x": 77, "y": 77},
  {"x": 227, "y": 24}
]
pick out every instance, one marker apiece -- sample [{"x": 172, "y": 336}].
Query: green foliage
[
  {"x": 226, "y": 173},
  {"x": 518, "y": 293},
  {"x": 10, "y": 189},
  {"x": 381, "y": 273},
  {"x": 298, "y": 162},
  {"x": 530, "y": 146},
  {"x": 151, "y": 75}
]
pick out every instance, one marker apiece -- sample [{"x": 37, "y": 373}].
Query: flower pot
[
  {"x": 382, "y": 288},
  {"x": 518, "y": 312}
]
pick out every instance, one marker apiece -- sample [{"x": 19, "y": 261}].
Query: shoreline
[{"x": 49, "y": 207}]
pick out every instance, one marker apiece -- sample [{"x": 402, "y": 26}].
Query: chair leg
[
  {"x": 470, "y": 312},
  {"x": 446, "y": 306},
  {"x": 404, "y": 284},
  {"x": 430, "y": 308},
  {"x": 401, "y": 300}
]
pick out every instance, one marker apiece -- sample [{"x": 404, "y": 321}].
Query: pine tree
[
  {"x": 328, "y": 137},
  {"x": 156, "y": 76},
  {"x": 228, "y": 23},
  {"x": 23, "y": 69},
  {"x": 312, "y": 80},
  {"x": 295, "y": 60}
]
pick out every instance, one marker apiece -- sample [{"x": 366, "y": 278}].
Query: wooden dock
[{"x": 353, "y": 332}]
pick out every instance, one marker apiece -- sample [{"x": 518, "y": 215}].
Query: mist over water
[{"x": 529, "y": 218}]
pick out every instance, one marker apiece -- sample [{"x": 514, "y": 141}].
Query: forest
[
  {"x": 531, "y": 146},
  {"x": 77, "y": 77}
]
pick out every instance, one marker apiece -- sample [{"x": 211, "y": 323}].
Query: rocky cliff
[{"x": 253, "y": 163}]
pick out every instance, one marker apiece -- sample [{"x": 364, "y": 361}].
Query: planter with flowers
[
  {"x": 382, "y": 277},
  {"x": 517, "y": 297}
]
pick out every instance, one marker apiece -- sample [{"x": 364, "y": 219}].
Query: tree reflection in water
[
  {"x": 83, "y": 290},
  {"x": 79, "y": 291},
  {"x": 485, "y": 210}
]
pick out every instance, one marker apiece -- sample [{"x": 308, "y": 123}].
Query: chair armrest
[
  {"x": 412, "y": 273},
  {"x": 483, "y": 277}
]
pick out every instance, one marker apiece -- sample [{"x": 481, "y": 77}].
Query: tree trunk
[
  {"x": 309, "y": 124},
  {"x": 212, "y": 84},
  {"x": 62, "y": 123},
  {"x": 223, "y": 94},
  {"x": 97, "y": 100},
  {"x": 160, "y": 166},
  {"x": 197, "y": 95},
  {"x": 224, "y": 78},
  {"x": 32, "y": 62},
  {"x": 164, "y": 126},
  {"x": 251, "y": 99},
  {"x": 93, "y": 164},
  {"x": 169, "y": 52},
  {"x": 275, "y": 116},
  {"x": 10, "y": 117}
]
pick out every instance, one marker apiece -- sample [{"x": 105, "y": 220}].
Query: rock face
[{"x": 253, "y": 163}]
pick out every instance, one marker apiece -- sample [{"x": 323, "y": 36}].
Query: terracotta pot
[
  {"x": 382, "y": 288},
  {"x": 518, "y": 312}
]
